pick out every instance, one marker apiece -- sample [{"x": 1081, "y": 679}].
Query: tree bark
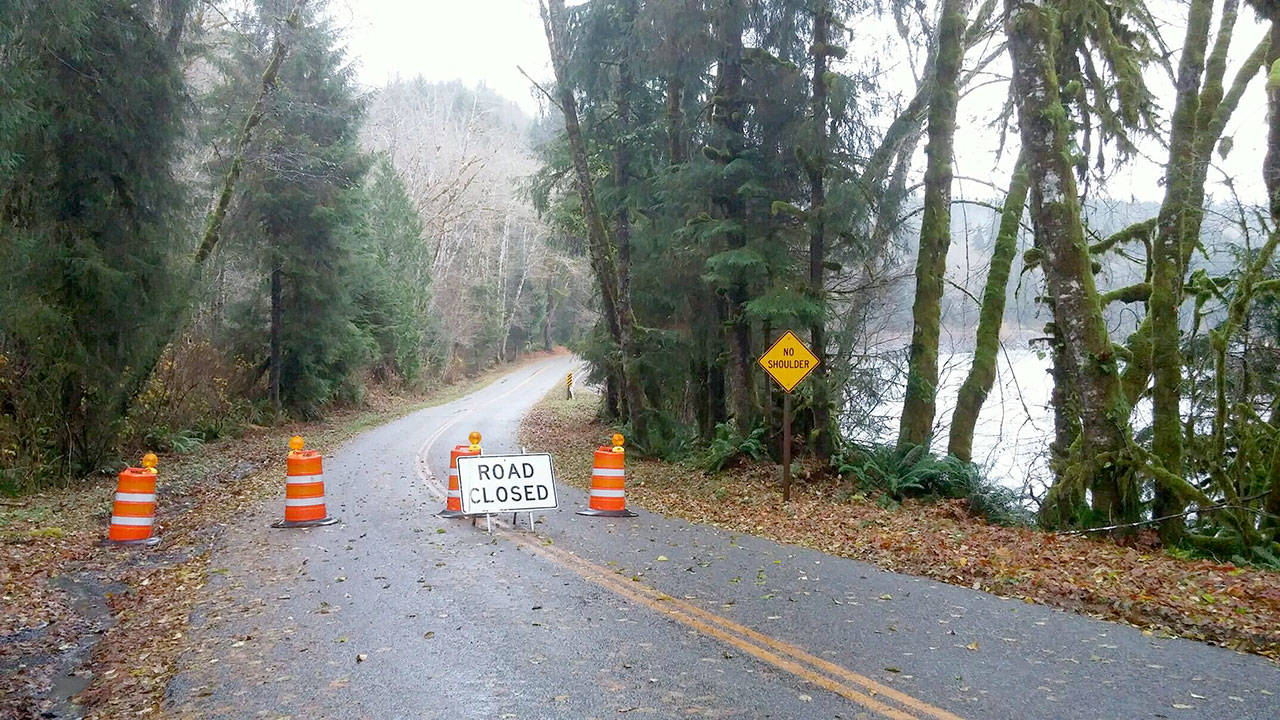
[
  {"x": 824, "y": 441},
  {"x": 982, "y": 372},
  {"x": 546, "y": 320},
  {"x": 1104, "y": 460},
  {"x": 276, "y": 298},
  {"x": 1271, "y": 162},
  {"x": 629, "y": 346},
  {"x": 676, "y": 154},
  {"x": 728, "y": 117},
  {"x": 920, "y": 403}
]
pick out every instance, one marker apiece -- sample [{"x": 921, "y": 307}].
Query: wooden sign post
[{"x": 788, "y": 362}]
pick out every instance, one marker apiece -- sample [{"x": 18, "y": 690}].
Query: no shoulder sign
[{"x": 492, "y": 484}]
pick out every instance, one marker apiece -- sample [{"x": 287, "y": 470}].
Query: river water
[{"x": 1015, "y": 427}]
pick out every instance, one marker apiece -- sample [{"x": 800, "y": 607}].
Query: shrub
[
  {"x": 916, "y": 473},
  {"x": 728, "y": 445}
]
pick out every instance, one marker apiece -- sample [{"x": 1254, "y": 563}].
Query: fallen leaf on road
[{"x": 972, "y": 646}]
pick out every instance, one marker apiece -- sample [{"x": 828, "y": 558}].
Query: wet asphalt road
[{"x": 395, "y": 613}]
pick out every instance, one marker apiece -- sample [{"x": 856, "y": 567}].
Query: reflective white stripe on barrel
[
  {"x": 609, "y": 472},
  {"x": 303, "y": 502},
  {"x": 453, "y": 472},
  {"x": 303, "y": 479},
  {"x": 455, "y": 493},
  {"x": 126, "y": 520},
  {"x": 135, "y": 497},
  {"x": 608, "y": 493}
]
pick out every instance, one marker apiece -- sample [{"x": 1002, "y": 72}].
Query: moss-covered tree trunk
[
  {"x": 982, "y": 372},
  {"x": 1166, "y": 267},
  {"x": 920, "y": 403},
  {"x": 1216, "y": 103},
  {"x": 816, "y": 170},
  {"x": 213, "y": 223},
  {"x": 1271, "y": 178},
  {"x": 1103, "y": 460},
  {"x": 1066, "y": 502}
]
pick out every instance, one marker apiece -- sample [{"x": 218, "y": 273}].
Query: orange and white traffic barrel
[
  {"x": 608, "y": 494},
  {"x": 453, "y": 496},
  {"x": 304, "y": 489},
  {"x": 133, "y": 512}
]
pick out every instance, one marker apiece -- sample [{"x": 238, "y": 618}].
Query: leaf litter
[
  {"x": 1137, "y": 583},
  {"x": 97, "y": 631}
]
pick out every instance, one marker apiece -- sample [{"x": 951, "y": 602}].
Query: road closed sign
[{"x": 493, "y": 484}]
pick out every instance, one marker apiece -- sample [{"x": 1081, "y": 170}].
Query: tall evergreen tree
[
  {"x": 394, "y": 264},
  {"x": 87, "y": 219},
  {"x": 299, "y": 198}
]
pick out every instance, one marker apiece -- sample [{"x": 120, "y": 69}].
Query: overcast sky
[
  {"x": 476, "y": 41},
  {"x": 484, "y": 41}
]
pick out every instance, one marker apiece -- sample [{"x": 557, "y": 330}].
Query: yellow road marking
[
  {"x": 677, "y": 612},
  {"x": 862, "y": 690},
  {"x": 666, "y": 604}
]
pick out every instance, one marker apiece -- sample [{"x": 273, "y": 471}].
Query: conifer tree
[
  {"x": 298, "y": 201},
  {"x": 88, "y": 229}
]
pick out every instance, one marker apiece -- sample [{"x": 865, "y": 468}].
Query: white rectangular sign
[{"x": 506, "y": 483}]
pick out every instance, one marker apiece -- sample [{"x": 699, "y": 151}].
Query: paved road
[{"x": 395, "y": 613}]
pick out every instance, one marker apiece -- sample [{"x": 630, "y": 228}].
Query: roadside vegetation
[
  {"x": 736, "y": 169},
  {"x": 936, "y": 530},
  {"x": 210, "y": 226},
  {"x": 107, "y": 625}
]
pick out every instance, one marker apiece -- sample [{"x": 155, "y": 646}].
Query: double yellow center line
[{"x": 876, "y": 697}]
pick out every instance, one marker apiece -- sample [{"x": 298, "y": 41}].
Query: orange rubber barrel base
[
  {"x": 144, "y": 542},
  {"x": 327, "y": 520},
  {"x": 607, "y": 513}
]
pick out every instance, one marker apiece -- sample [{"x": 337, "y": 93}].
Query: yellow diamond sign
[{"x": 788, "y": 361}]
